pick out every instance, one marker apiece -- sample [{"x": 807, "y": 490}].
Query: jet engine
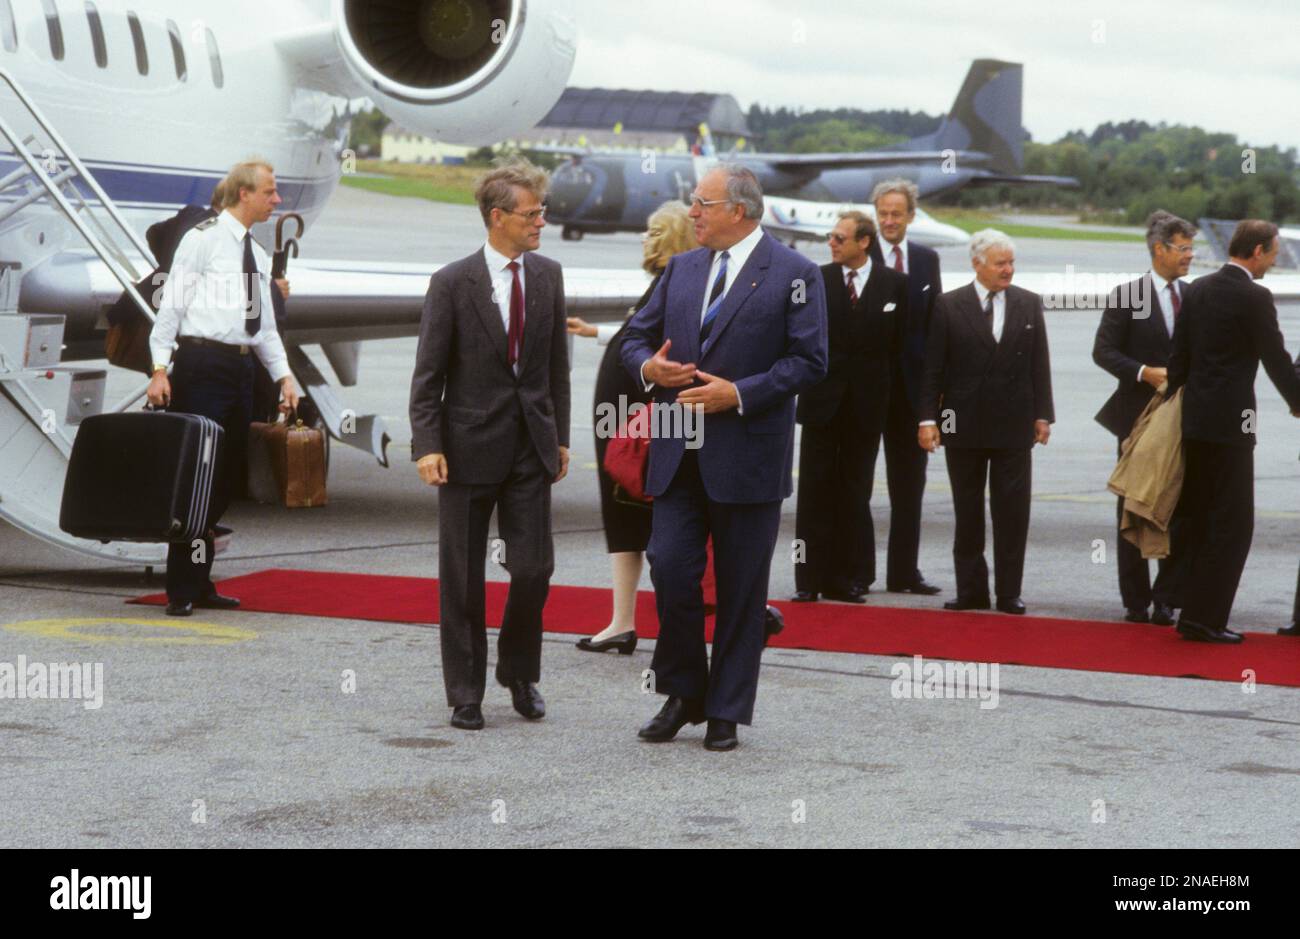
[{"x": 463, "y": 71}]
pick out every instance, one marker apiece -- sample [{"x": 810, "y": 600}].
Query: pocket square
[
  {"x": 925, "y": 288},
  {"x": 889, "y": 306}
]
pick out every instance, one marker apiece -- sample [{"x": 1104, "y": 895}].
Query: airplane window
[
  {"x": 55, "y": 29},
  {"x": 8, "y": 26},
  {"x": 97, "y": 35},
  {"x": 214, "y": 56},
  {"x": 178, "y": 50},
  {"x": 137, "y": 38}
]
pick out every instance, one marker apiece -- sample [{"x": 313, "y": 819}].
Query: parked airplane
[
  {"x": 116, "y": 113},
  {"x": 979, "y": 142},
  {"x": 800, "y": 220}
]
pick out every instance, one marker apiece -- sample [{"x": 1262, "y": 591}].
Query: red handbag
[{"x": 628, "y": 453}]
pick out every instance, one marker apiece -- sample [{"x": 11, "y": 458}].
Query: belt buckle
[{"x": 243, "y": 350}]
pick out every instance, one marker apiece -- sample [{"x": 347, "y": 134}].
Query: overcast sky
[{"x": 1224, "y": 65}]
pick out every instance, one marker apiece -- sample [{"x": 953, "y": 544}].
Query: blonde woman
[{"x": 627, "y": 524}]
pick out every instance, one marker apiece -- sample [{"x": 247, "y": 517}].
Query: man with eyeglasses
[
  {"x": 490, "y": 428},
  {"x": 736, "y": 328},
  {"x": 843, "y": 418},
  {"x": 1134, "y": 341}
]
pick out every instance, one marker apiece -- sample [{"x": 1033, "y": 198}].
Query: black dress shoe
[
  {"x": 625, "y": 643},
  {"x": 721, "y": 735},
  {"x": 467, "y": 717},
  {"x": 921, "y": 588},
  {"x": 1136, "y": 614},
  {"x": 1241, "y": 637},
  {"x": 773, "y": 623},
  {"x": 1199, "y": 632},
  {"x": 178, "y": 608},
  {"x": 846, "y": 596},
  {"x": 1292, "y": 630},
  {"x": 1013, "y": 605},
  {"x": 672, "y": 717},
  {"x": 804, "y": 596},
  {"x": 527, "y": 699},
  {"x": 968, "y": 604},
  {"x": 1162, "y": 614},
  {"x": 215, "y": 601}
]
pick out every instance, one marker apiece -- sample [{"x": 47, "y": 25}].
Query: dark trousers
[
  {"x": 837, "y": 463},
  {"x": 523, "y": 505},
  {"x": 1218, "y": 509},
  {"x": 1135, "y": 588},
  {"x": 905, "y": 464},
  {"x": 1008, "y": 474},
  {"x": 1295, "y": 613},
  {"x": 744, "y": 537},
  {"x": 217, "y": 385}
]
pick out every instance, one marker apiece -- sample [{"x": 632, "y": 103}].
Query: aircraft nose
[{"x": 570, "y": 187}]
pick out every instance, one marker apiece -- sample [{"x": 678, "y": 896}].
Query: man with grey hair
[
  {"x": 1134, "y": 341},
  {"x": 490, "y": 428},
  {"x": 988, "y": 392},
  {"x": 905, "y": 462},
  {"x": 753, "y": 313}
]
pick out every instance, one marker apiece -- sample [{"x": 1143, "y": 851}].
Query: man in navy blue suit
[{"x": 736, "y": 329}]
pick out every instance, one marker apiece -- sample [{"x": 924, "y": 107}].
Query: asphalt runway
[{"x": 257, "y": 738}]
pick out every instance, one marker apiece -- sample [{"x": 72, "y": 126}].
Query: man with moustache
[
  {"x": 1133, "y": 343},
  {"x": 752, "y": 313},
  {"x": 988, "y": 391},
  {"x": 490, "y": 428},
  {"x": 1227, "y": 329},
  {"x": 844, "y": 415},
  {"x": 895, "y": 202}
]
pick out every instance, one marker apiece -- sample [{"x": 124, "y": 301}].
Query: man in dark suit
[
  {"x": 905, "y": 462},
  {"x": 1133, "y": 344},
  {"x": 490, "y": 426},
  {"x": 1294, "y": 628},
  {"x": 1227, "y": 327},
  {"x": 753, "y": 313},
  {"x": 843, "y": 417},
  {"x": 988, "y": 391}
]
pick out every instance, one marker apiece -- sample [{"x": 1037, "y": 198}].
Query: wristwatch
[{"x": 159, "y": 368}]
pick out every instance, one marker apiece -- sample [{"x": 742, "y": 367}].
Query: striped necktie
[{"x": 715, "y": 299}]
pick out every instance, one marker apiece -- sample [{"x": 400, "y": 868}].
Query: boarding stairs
[{"x": 42, "y": 401}]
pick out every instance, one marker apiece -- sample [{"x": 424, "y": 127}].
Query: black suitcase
[{"x": 145, "y": 476}]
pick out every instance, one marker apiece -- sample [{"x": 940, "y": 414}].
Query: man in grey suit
[{"x": 490, "y": 427}]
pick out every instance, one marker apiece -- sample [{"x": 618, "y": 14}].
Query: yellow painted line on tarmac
[{"x": 105, "y": 629}]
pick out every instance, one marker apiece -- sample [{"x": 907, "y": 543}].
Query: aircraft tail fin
[{"x": 985, "y": 117}]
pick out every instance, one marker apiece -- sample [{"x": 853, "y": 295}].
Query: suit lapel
[
  {"x": 748, "y": 280},
  {"x": 978, "y": 321},
  {"x": 1013, "y": 322},
  {"x": 1161, "y": 329},
  {"x": 692, "y": 284},
  {"x": 488, "y": 312},
  {"x": 536, "y": 318}
]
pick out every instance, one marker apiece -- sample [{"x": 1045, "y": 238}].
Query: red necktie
[
  {"x": 852, "y": 278},
  {"x": 515, "y": 336},
  {"x": 898, "y": 259},
  {"x": 1173, "y": 295}
]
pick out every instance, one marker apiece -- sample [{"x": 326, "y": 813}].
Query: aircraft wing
[
  {"x": 817, "y": 162},
  {"x": 994, "y": 179}
]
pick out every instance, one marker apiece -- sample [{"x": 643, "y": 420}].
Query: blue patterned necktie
[{"x": 715, "y": 299}]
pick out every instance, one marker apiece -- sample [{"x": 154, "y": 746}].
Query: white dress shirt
[
  {"x": 204, "y": 296},
  {"x": 999, "y": 308},
  {"x": 860, "y": 278},
  {"x": 1165, "y": 304},
  {"x": 887, "y": 252},
  {"x": 498, "y": 266}
]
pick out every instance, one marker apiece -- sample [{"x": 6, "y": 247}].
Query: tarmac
[{"x": 254, "y": 730}]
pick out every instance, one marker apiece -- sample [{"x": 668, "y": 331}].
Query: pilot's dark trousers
[
  {"x": 744, "y": 537},
  {"x": 523, "y": 505},
  {"x": 219, "y": 385}
]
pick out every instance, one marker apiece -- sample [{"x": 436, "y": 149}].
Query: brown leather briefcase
[{"x": 297, "y": 455}]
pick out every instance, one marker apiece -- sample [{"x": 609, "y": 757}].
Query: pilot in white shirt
[{"x": 217, "y": 319}]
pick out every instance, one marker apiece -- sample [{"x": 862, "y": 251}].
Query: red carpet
[{"x": 826, "y": 627}]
